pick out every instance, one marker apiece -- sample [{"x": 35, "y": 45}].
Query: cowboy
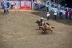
[{"x": 41, "y": 20}]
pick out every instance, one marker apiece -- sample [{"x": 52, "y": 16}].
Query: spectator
[
  {"x": 48, "y": 15},
  {"x": 66, "y": 14},
  {"x": 71, "y": 17},
  {"x": 59, "y": 6},
  {"x": 61, "y": 14},
  {"x": 65, "y": 5},
  {"x": 70, "y": 14},
  {"x": 55, "y": 14},
  {"x": 2, "y": 4},
  {"x": 47, "y": 7}
]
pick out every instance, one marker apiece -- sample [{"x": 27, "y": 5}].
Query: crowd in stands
[
  {"x": 57, "y": 9},
  {"x": 62, "y": 11}
]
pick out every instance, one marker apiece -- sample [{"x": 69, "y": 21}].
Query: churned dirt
[{"x": 19, "y": 30}]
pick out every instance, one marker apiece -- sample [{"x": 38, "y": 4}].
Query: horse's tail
[{"x": 52, "y": 27}]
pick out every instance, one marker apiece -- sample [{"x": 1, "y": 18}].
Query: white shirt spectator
[
  {"x": 48, "y": 15},
  {"x": 55, "y": 13}
]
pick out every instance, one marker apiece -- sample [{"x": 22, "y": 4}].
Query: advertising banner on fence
[{"x": 26, "y": 4}]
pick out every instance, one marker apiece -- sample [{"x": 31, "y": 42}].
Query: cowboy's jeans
[{"x": 6, "y": 11}]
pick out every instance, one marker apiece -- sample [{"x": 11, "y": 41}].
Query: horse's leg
[
  {"x": 51, "y": 31},
  {"x": 46, "y": 31},
  {"x": 39, "y": 27},
  {"x": 43, "y": 31}
]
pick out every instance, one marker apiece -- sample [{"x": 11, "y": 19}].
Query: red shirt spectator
[
  {"x": 70, "y": 13},
  {"x": 66, "y": 12}
]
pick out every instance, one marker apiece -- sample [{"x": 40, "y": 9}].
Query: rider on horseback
[{"x": 41, "y": 21}]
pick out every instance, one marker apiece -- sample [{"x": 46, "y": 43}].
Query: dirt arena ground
[{"x": 19, "y": 30}]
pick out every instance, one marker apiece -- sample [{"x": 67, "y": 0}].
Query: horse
[
  {"x": 39, "y": 23},
  {"x": 46, "y": 27}
]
